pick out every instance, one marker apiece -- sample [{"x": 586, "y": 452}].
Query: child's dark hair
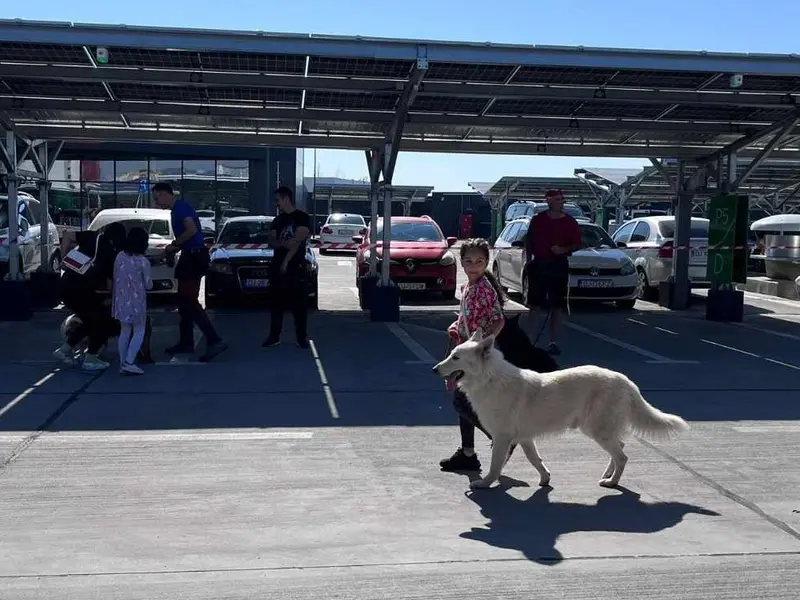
[
  {"x": 137, "y": 242},
  {"x": 482, "y": 246}
]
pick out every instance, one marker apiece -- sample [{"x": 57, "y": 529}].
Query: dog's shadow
[{"x": 534, "y": 525}]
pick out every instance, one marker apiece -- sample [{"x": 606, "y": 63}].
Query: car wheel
[
  {"x": 449, "y": 294},
  {"x": 625, "y": 304},
  {"x": 212, "y": 302},
  {"x": 525, "y": 288},
  {"x": 643, "y": 289}
]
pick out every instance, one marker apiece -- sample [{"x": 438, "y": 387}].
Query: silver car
[
  {"x": 649, "y": 242},
  {"x": 598, "y": 271},
  {"x": 30, "y": 235}
]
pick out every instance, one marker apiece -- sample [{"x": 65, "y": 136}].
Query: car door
[
  {"x": 29, "y": 239},
  {"x": 502, "y": 253},
  {"x": 623, "y": 234},
  {"x": 517, "y": 254}
]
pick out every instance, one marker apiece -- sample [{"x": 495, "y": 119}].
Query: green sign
[{"x": 727, "y": 240}]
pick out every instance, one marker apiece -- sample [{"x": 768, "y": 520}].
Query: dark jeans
[
  {"x": 191, "y": 268},
  {"x": 289, "y": 291},
  {"x": 96, "y": 321},
  {"x": 547, "y": 283}
]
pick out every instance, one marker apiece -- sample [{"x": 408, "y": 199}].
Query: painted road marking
[
  {"x": 782, "y": 334},
  {"x": 745, "y": 352},
  {"x": 344, "y": 263},
  {"x": 28, "y": 392},
  {"x": 413, "y": 346},
  {"x": 168, "y": 436},
  {"x": 788, "y": 428},
  {"x": 656, "y": 358},
  {"x": 326, "y": 388}
]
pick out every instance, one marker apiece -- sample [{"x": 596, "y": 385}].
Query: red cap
[{"x": 554, "y": 194}]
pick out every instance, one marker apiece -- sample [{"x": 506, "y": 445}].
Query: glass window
[
  {"x": 156, "y": 228},
  {"x": 233, "y": 178},
  {"x": 511, "y": 233},
  {"x": 97, "y": 170},
  {"x": 699, "y": 228},
  {"x": 413, "y": 231},
  {"x": 346, "y": 220},
  {"x": 641, "y": 233},
  {"x": 504, "y": 234},
  {"x": 520, "y": 234},
  {"x": 246, "y": 232},
  {"x": 199, "y": 186},
  {"x": 574, "y": 211},
  {"x": 624, "y": 233},
  {"x": 593, "y": 236}
]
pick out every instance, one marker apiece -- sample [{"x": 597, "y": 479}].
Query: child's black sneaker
[{"x": 461, "y": 462}]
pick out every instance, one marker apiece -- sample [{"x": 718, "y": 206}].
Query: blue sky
[{"x": 715, "y": 25}]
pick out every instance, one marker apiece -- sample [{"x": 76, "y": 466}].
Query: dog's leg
[
  {"x": 610, "y": 468},
  {"x": 529, "y": 448},
  {"x": 500, "y": 447},
  {"x": 618, "y": 462}
]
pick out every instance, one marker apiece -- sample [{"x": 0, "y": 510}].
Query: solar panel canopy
[{"x": 99, "y": 82}]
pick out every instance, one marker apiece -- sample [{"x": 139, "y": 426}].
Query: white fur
[{"x": 516, "y": 406}]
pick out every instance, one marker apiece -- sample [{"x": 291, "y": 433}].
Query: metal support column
[
  {"x": 681, "y": 253},
  {"x": 386, "y": 192},
  {"x": 14, "y": 273},
  {"x": 373, "y": 166},
  {"x": 44, "y": 201}
]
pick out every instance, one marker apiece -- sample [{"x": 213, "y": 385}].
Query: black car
[{"x": 240, "y": 268}]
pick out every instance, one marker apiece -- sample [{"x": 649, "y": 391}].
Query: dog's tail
[{"x": 648, "y": 421}]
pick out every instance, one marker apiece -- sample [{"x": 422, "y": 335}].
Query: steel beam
[
  {"x": 662, "y": 170},
  {"x": 764, "y": 154},
  {"x": 751, "y": 139},
  {"x": 417, "y": 121},
  {"x": 394, "y": 134},
  {"x": 13, "y": 221},
  {"x": 205, "y": 79},
  {"x": 415, "y": 144},
  {"x": 199, "y": 40},
  {"x": 43, "y": 159}
]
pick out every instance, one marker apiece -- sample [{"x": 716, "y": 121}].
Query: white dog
[{"x": 517, "y": 405}]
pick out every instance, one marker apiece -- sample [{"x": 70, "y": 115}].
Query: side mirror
[
  {"x": 358, "y": 239},
  {"x": 451, "y": 241},
  {"x": 518, "y": 244},
  {"x": 622, "y": 245},
  {"x": 209, "y": 240}
]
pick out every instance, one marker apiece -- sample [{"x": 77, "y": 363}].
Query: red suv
[{"x": 421, "y": 259}]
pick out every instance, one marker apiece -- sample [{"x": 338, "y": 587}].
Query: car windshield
[
  {"x": 699, "y": 228},
  {"x": 593, "y": 236},
  {"x": 574, "y": 211},
  {"x": 155, "y": 228},
  {"x": 245, "y": 232},
  {"x": 412, "y": 231},
  {"x": 346, "y": 220}
]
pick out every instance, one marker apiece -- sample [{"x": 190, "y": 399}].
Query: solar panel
[{"x": 346, "y": 91}]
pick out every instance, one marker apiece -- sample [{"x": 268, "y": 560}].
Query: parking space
[{"x": 266, "y": 461}]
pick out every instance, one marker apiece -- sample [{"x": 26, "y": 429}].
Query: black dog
[{"x": 517, "y": 349}]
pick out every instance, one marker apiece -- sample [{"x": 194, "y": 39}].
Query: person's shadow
[{"x": 533, "y": 526}]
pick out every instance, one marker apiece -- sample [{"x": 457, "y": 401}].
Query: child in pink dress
[
  {"x": 481, "y": 308},
  {"x": 132, "y": 279}
]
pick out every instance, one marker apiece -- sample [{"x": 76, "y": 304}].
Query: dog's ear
[
  {"x": 477, "y": 336},
  {"x": 485, "y": 346}
]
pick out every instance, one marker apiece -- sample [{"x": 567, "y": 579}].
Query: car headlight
[
  {"x": 220, "y": 267},
  {"x": 627, "y": 268},
  {"x": 448, "y": 258}
]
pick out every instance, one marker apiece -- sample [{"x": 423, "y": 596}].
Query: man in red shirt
[{"x": 552, "y": 236}]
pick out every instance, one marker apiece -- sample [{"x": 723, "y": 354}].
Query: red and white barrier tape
[
  {"x": 240, "y": 246},
  {"x": 716, "y": 248},
  {"x": 335, "y": 246}
]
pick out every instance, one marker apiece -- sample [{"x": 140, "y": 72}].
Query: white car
[
  {"x": 29, "y": 212},
  {"x": 648, "y": 241},
  {"x": 599, "y": 271},
  {"x": 207, "y": 220},
  {"x": 157, "y": 223},
  {"x": 338, "y": 231}
]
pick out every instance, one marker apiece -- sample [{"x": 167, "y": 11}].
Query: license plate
[
  {"x": 343, "y": 232},
  {"x": 256, "y": 283},
  {"x": 411, "y": 286},
  {"x": 595, "y": 283},
  {"x": 698, "y": 253}
]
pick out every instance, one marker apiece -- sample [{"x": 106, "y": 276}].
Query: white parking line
[
  {"x": 168, "y": 436},
  {"x": 789, "y": 428},
  {"x": 745, "y": 352},
  {"x": 28, "y": 392},
  {"x": 344, "y": 263},
  {"x": 326, "y": 388},
  {"x": 654, "y": 358},
  {"x": 414, "y": 347},
  {"x": 782, "y": 334}
]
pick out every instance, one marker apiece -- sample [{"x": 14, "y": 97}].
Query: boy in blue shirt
[{"x": 191, "y": 268}]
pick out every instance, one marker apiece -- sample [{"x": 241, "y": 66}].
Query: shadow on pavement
[{"x": 534, "y": 526}]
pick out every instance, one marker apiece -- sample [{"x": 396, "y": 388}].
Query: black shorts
[
  {"x": 547, "y": 284},
  {"x": 193, "y": 264}
]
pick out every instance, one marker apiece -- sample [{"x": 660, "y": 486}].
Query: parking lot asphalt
[{"x": 313, "y": 473}]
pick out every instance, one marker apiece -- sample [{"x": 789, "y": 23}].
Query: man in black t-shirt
[{"x": 288, "y": 236}]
